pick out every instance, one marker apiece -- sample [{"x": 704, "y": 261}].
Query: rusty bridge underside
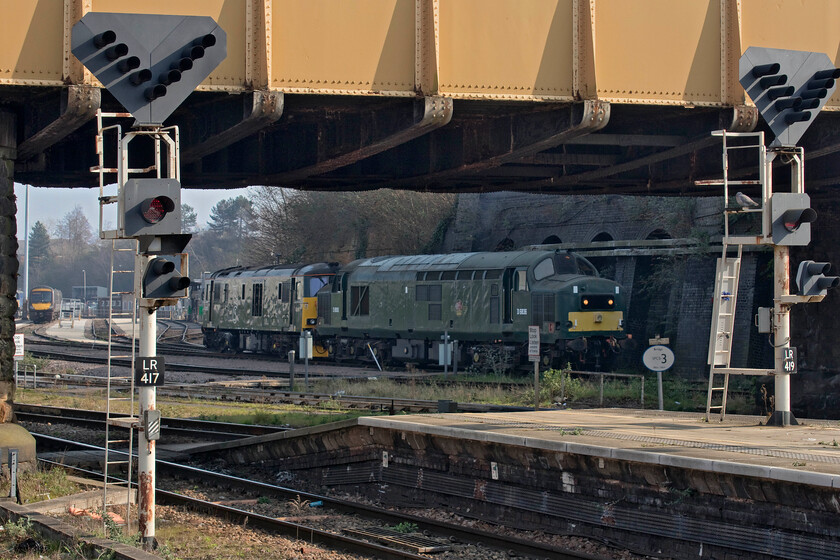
[{"x": 551, "y": 96}]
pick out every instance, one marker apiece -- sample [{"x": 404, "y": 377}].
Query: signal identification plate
[{"x": 149, "y": 370}]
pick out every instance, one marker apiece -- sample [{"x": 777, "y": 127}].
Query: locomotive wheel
[{"x": 546, "y": 360}]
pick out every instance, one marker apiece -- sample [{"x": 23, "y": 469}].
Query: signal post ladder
[{"x": 728, "y": 270}]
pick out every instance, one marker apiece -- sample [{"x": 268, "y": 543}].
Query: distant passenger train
[
  {"x": 398, "y": 308},
  {"x": 44, "y": 304}
]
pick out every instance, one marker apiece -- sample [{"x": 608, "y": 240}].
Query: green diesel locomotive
[
  {"x": 397, "y": 309},
  {"x": 261, "y": 309}
]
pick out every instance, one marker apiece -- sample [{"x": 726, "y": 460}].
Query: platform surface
[
  {"x": 78, "y": 330},
  {"x": 808, "y": 453},
  {"x": 73, "y": 330}
]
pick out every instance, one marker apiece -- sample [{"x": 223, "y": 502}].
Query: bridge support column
[
  {"x": 8, "y": 261},
  {"x": 11, "y": 435}
]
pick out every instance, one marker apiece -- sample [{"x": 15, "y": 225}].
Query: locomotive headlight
[
  {"x": 610, "y": 302},
  {"x": 585, "y": 302}
]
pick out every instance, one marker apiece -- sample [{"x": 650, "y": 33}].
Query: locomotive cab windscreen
[
  {"x": 40, "y": 296},
  {"x": 567, "y": 263},
  {"x": 313, "y": 284}
]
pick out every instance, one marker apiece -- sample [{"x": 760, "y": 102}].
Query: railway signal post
[
  {"x": 150, "y": 64},
  {"x": 789, "y": 88}
]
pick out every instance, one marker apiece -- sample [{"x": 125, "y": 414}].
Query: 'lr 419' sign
[
  {"x": 148, "y": 371},
  {"x": 789, "y": 360}
]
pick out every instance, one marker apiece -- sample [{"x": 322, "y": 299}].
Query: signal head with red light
[
  {"x": 155, "y": 209},
  {"x": 151, "y": 208},
  {"x": 792, "y": 216}
]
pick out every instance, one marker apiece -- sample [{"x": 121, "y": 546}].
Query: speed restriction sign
[
  {"x": 658, "y": 358},
  {"x": 533, "y": 343}
]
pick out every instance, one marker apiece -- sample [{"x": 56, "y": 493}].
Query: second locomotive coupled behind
[{"x": 398, "y": 308}]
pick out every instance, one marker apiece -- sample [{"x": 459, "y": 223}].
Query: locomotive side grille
[
  {"x": 324, "y": 314},
  {"x": 256, "y": 301},
  {"x": 542, "y": 306}
]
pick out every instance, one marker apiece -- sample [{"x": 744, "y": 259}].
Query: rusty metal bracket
[
  {"x": 744, "y": 119},
  {"x": 80, "y": 105},
  {"x": 587, "y": 117},
  {"x": 264, "y": 109}
]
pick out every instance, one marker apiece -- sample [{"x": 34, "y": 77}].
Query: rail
[{"x": 517, "y": 546}]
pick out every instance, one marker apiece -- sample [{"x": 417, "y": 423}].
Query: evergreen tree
[
  {"x": 232, "y": 217},
  {"x": 39, "y": 245},
  {"x": 189, "y": 219}
]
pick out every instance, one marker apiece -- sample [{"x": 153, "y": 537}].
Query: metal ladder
[
  {"x": 727, "y": 276},
  {"x": 116, "y": 384},
  {"x": 728, "y": 270},
  {"x": 115, "y": 392}
]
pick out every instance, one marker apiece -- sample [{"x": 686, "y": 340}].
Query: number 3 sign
[{"x": 658, "y": 358}]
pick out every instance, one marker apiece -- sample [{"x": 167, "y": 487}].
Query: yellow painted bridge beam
[{"x": 623, "y": 51}]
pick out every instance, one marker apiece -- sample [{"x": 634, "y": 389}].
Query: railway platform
[
  {"x": 79, "y": 330},
  {"x": 76, "y": 330},
  {"x": 662, "y": 482}
]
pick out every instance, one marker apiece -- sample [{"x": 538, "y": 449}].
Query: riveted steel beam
[
  {"x": 260, "y": 110},
  {"x": 743, "y": 119},
  {"x": 79, "y": 105},
  {"x": 375, "y": 135},
  {"x": 494, "y": 141}
]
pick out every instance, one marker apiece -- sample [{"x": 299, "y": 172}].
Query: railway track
[
  {"x": 439, "y": 533},
  {"x": 184, "y": 427},
  {"x": 233, "y": 367}
]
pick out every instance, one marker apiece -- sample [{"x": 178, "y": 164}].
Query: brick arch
[
  {"x": 505, "y": 244},
  {"x": 551, "y": 239},
  {"x": 659, "y": 233},
  {"x": 606, "y": 265}
]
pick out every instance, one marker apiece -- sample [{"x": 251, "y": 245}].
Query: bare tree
[
  {"x": 75, "y": 228},
  {"x": 295, "y": 226}
]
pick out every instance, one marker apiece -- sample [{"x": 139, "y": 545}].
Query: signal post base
[
  {"x": 15, "y": 436},
  {"x": 782, "y": 418}
]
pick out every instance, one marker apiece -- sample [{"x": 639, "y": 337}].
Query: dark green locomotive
[{"x": 400, "y": 307}]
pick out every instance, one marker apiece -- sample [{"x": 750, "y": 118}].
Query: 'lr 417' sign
[{"x": 148, "y": 371}]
